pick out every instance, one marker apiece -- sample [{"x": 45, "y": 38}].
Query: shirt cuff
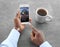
[{"x": 45, "y": 44}]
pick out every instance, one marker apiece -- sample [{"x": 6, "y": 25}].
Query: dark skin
[{"x": 37, "y": 37}]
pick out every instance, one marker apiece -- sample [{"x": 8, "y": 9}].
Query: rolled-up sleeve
[
  {"x": 12, "y": 39},
  {"x": 45, "y": 44}
]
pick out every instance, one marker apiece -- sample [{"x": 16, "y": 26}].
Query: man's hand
[
  {"x": 17, "y": 22},
  {"x": 37, "y": 37}
]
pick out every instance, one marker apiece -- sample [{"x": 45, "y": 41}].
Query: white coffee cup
[{"x": 42, "y": 15}]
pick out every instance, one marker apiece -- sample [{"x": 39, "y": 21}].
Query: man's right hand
[{"x": 37, "y": 37}]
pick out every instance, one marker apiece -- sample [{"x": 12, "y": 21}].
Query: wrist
[
  {"x": 18, "y": 29},
  {"x": 41, "y": 42}
]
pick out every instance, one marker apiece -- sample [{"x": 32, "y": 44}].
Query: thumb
[
  {"x": 34, "y": 32},
  {"x": 18, "y": 15}
]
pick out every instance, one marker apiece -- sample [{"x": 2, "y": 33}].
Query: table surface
[{"x": 51, "y": 30}]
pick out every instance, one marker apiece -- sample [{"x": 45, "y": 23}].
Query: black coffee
[{"x": 42, "y": 12}]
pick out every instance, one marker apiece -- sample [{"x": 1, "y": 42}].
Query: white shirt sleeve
[
  {"x": 45, "y": 44},
  {"x": 12, "y": 39}
]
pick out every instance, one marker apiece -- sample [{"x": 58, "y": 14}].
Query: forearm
[
  {"x": 12, "y": 39},
  {"x": 45, "y": 44}
]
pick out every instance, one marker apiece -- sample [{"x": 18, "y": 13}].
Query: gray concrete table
[{"x": 8, "y": 9}]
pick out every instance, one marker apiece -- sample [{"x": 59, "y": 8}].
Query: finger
[
  {"x": 34, "y": 29},
  {"x": 37, "y": 35},
  {"x": 18, "y": 14},
  {"x": 41, "y": 33},
  {"x": 23, "y": 26},
  {"x": 17, "y": 21},
  {"x": 33, "y": 33},
  {"x": 32, "y": 37},
  {"x": 30, "y": 20}
]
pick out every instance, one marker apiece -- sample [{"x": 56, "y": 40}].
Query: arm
[{"x": 12, "y": 39}]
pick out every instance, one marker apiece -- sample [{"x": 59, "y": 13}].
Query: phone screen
[{"x": 24, "y": 12}]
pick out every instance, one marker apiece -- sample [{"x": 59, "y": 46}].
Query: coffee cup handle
[{"x": 48, "y": 18}]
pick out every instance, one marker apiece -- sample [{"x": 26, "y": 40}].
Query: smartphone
[{"x": 24, "y": 12}]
